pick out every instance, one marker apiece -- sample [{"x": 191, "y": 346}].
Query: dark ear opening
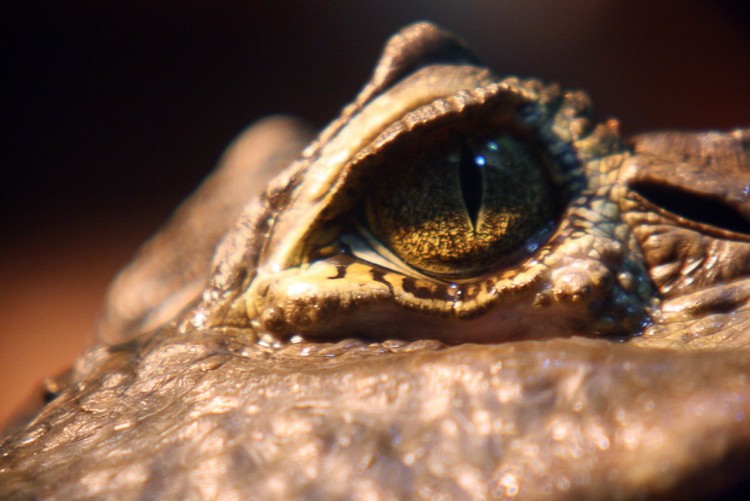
[{"x": 414, "y": 47}]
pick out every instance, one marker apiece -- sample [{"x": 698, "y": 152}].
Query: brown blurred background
[{"x": 114, "y": 111}]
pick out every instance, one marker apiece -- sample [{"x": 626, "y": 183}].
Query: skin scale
[{"x": 608, "y": 361}]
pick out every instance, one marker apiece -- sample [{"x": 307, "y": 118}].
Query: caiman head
[{"x": 464, "y": 287}]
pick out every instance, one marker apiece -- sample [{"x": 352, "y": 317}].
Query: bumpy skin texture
[{"x": 283, "y": 379}]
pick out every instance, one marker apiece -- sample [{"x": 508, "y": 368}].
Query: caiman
[{"x": 462, "y": 288}]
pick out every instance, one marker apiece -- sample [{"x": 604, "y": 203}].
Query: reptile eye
[{"x": 464, "y": 208}]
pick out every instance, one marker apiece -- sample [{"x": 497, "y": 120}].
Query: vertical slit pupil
[{"x": 470, "y": 178}]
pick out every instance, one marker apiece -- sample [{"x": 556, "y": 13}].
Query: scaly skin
[{"x": 283, "y": 379}]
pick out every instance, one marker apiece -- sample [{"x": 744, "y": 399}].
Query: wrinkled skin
[{"x": 613, "y": 360}]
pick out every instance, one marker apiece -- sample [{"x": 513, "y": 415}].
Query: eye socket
[{"x": 462, "y": 208}]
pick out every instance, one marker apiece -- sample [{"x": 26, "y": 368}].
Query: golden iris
[{"x": 459, "y": 210}]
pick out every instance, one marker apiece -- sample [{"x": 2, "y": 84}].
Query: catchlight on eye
[{"x": 460, "y": 209}]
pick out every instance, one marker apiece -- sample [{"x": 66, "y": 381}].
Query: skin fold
[{"x": 265, "y": 343}]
